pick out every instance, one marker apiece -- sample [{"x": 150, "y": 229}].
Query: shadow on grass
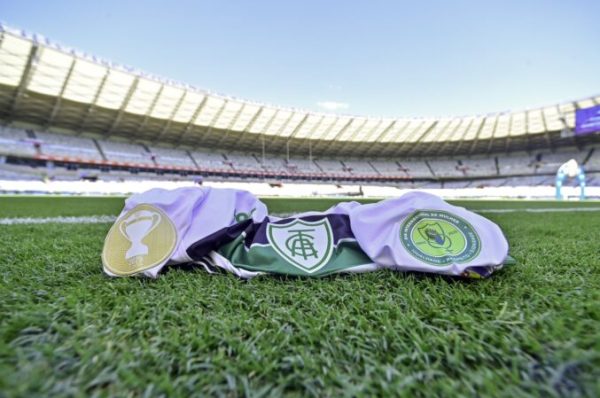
[{"x": 414, "y": 275}]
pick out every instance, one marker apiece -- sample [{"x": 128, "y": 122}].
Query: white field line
[
  {"x": 541, "y": 210},
  {"x": 111, "y": 219},
  {"x": 58, "y": 220},
  {"x": 522, "y": 210}
]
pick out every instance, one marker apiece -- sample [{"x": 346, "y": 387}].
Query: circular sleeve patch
[
  {"x": 142, "y": 238},
  {"x": 439, "y": 238}
]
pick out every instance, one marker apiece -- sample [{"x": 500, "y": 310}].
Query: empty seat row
[{"x": 14, "y": 141}]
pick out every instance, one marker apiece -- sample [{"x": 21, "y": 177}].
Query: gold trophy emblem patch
[{"x": 142, "y": 239}]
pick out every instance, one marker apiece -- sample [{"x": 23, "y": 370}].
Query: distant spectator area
[{"x": 16, "y": 142}]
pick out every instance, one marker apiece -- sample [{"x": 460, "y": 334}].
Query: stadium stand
[
  {"x": 550, "y": 162},
  {"x": 11, "y": 172},
  {"x": 171, "y": 157},
  {"x": 594, "y": 181},
  {"x": 210, "y": 160},
  {"x": 61, "y": 145},
  {"x": 446, "y": 168},
  {"x": 529, "y": 181},
  {"x": 359, "y": 166},
  {"x": 77, "y": 152},
  {"x": 301, "y": 166},
  {"x": 273, "y": 163},
  {"x": 126, "y": 153},
  {"x": 388, "y": 168},
  {"x": 456, "y": 184},
  {"x": 149, "y": 128},
  {"x": 416, "y": 168},
  {"x": 517, "y": 163},
  {"x": 241, "y": 161},
  {"x": 481, "y": 167},
  {"x": 428, "y": 185},
  {"x": 133, "y": 104},
  {"x": 16, "y": 142},
  {"x": 593, "y": 162},
  {"x": 491, "y": 182},
  {"x": 330, "y": 166}
]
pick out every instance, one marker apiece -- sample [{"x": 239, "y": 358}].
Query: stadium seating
[
  {"x": 330, "y": 166},
  {"x": 16, "y": 142},
  {"x": 388, "y": 168},
  {"x": 359, "y": 166},
  {"x": 302, "y": 166},
  {"x": 492, "y": 182},
  {"x": 479, "y": 167},
  {"x": 273, "y": 163},
  {"x": 457, "y": 184},
  {"x": 68, "y": 146},
  {"x": 446, "y": 168},
  {"x": 241, "y": 161},
  {"x": 128, "y": 180},
  {"x": 519, "y": 163},
  {"x": 171, "y": 157},
  {"x": 131, "y": 104},
  {"x": 539, "y": 162},
  {"x": 210, "y": 160},
  {"x": 594, "y": 181},
  {"x": 151, "y": 163},
  {"x": 593, "y": 162},
  {"x": 428, "y": 185},
  {"x": 529, "y": 181},
  {"x": 416, "y": 168},
  {"x": 12, "y": 172},
  {"x": 126, "y": 153},
  {"x": 550, "y": 162},
  {"x": 55, "y": 88}
]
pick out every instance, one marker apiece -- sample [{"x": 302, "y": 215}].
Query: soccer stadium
[
  {"x": 71, "y": 117},
  {"x": 79, "y": 134}
]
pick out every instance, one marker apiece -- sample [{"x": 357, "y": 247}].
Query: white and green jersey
[
  {"x": 312, "y": 244},
  {"x": 230, "y": 230}
]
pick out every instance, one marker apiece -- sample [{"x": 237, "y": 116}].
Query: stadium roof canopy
[{"x": 52, "y": 86}]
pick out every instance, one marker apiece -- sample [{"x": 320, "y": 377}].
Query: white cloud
[{"x": 333, "y": 105}]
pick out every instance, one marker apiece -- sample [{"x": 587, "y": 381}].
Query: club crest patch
[
  {"x": 439, "y": 238},
  {"x": 141, "y": 239},
  {"x": 307, "y": 245}
]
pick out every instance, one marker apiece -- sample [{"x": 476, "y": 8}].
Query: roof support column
[
  {"x": 59, "y": 96},
  {"x": 167, "y": 124},
  {"x": 117, "y": 120},
  {"x": 92, "y": 105},
  {"x": 25, "y": 79},
  {"x": 190, "y": 124}
]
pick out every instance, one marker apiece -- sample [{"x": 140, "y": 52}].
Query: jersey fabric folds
[{"x": 231, "y": 230}]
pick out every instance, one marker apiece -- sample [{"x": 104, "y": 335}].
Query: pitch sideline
[
  {"x": 539, "y": 210},
  {"x": 110, "y": 219},
  {"x": 58, "y": 220}
]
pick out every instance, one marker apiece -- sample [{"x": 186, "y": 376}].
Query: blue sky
[{"x": 379, "y": 58}]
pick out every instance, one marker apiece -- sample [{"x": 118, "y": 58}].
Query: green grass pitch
[{"x": 66, "y": 329}]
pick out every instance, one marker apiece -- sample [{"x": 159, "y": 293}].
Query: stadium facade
[{"x": 65, "y": 109}]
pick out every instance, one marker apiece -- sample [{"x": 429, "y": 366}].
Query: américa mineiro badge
[
  {"x": 304, "y": 244},
  {"x": 439, "y": 238}
]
